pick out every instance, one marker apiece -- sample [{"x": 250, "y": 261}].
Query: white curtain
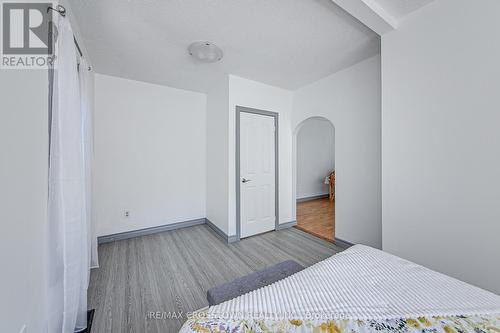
[
  {"x": 70, "y": 230},
  {"x": 87, "y": 110}
]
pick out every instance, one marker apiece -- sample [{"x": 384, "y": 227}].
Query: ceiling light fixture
[{"x": 205, "y": 52}]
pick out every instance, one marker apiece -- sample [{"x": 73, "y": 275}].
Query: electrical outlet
[{"x": 127, "y": 213}]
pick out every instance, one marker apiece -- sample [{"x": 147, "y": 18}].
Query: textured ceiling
[{"x": 286, "y": 43}]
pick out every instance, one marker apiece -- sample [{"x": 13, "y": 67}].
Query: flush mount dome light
[{"x": 205, "y": 52}]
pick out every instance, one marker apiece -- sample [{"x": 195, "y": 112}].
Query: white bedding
[{"x": 361, "y": 283}]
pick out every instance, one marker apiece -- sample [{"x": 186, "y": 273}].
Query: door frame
[{"x": 275, "y": 115}]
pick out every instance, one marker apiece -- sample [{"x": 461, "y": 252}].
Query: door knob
[{"x": 245, "y": 180}]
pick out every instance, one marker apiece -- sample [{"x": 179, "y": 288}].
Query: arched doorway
[{"x": 314, "y": 158}]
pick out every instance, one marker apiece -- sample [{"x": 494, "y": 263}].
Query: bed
[{"x": 358, "y": 290}]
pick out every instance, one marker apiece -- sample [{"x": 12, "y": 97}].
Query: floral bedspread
[{"x": 453, "y": 324}]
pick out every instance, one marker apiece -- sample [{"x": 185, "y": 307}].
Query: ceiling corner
[{"x": 370, "y": 13}]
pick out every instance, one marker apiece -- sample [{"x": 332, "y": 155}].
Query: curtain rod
[{"x": 62, "y": 11}]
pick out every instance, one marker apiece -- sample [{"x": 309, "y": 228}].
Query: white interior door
[{"x": 257, "y": 173}]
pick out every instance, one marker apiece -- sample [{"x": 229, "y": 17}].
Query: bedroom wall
[
  {"x": 257, "y": 95},
  {"x": 441, "y": 185},
  {"x": 150, "y": 155},
  {"x": 217, "y": 153},
  {"x": 315, "y": 157},
  {"x": 23, "y": 198},
  {"x": 350, "y": 99}
]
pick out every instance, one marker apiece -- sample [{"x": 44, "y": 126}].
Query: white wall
[
  {"x": 441, "y": 138},
  {"x": 23, "y": 198},
  {"x": 315, "y": 157},
  {"x": 217, "y": 153},
  {"x": 150, "y": 155},
  {"x": 243, "y": 92},
  {"x": 350, "y": 99}
]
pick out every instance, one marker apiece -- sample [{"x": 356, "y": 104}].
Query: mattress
[{"x": 360, "y": 289}]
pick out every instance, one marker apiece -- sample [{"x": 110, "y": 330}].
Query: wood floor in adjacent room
[
  {"x": 172, "y": 271},
  {"x": 317, "y": 217}
]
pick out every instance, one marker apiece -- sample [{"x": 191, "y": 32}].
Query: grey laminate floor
[{"x": 170, "y": 272}]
